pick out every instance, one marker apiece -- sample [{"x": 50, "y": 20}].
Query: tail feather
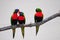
[
  {"x": 13, "y": 32},
  {"x": 37, "y": 29},
  {"x": 22, "y": 30}
]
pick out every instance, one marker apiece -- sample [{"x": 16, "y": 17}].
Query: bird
[
  {"x": 38, "y": 17},
  {"x": 14, "y": 20},
  {"x": 21, "y": 20}
]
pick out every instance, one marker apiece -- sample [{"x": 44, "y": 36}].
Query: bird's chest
[
  {"x": 20, "y": 18},
  {"x": 14, "y": 16},
  {"x": 38, "y": 15}
]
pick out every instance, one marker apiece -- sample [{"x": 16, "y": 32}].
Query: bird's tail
[
  {"x": 37, "y": 29},
  {"x": 13, "y": 32},
  {"x": 22, "y": 30}
]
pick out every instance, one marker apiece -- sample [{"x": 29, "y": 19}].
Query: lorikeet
[
  {"x": 38, "y": 17},
  {"x": 21, "y": 20},
  {"x": 14, "y": 20}
]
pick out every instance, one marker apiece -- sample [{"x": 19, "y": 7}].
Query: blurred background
[{"x": 47, "y": 31}]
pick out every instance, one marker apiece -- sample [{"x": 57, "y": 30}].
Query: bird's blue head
[
  {"x": 21, "y": 14},
  {"x": 16, "y": 10},
  {"x": 38, "y": 10}
]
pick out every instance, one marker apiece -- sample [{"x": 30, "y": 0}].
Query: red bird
[
  {"x": 14, "y": 20},
  {"x": 38, "y": 18},
  {"x": 21, "y": 20}
]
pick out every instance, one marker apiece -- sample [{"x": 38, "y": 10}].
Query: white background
[{"x": 47, "y": 31}]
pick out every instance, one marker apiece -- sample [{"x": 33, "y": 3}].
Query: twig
[{"x": 32, "y": 24}]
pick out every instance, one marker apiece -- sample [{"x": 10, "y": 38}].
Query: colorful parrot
[
  {"x": 21, "y": 20},
  {"x": 14, "y": 20},
  {"x": 38, "y": 17}
]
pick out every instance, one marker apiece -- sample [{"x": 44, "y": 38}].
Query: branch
[{"x": 31, "y": 24}]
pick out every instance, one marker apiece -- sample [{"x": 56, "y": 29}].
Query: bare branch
[{"x": 31, "y": 24}]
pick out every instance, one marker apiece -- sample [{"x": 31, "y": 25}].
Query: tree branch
[{"x": 31, "y": 24}]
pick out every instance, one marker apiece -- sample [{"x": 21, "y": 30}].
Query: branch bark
[{"x": 31, "y": 24}]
